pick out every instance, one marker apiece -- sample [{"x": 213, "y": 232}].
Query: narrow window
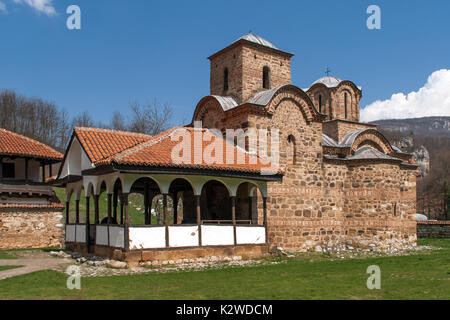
[
  {"x": 320, "y": 103},
  {"x": 225, "y": 80},
  {"x": 292, "y": 152},
  {"x": 345, "y": 102},
  {"x": 266, "y": 78},
  {"x": 8, "y": 170}
]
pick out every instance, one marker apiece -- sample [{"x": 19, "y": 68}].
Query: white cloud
[
  {"x": 431, "y": 100},
  {"x": 3, "y": 7},
  {"x": 44, "y": 6}
]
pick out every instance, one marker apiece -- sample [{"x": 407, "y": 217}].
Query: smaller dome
[
  {"x": 257, "y": 39},
  {"x": 421, "y": 217},
  {"x": 329, "y": 81}
]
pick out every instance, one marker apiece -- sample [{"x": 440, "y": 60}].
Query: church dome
[
  {"x": 257, "y": 39},
  {"x": 329, "y": 81}
]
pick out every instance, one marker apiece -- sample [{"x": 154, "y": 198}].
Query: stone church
[
  {"x": 339, "y": 182},
  {"x": 344, "y": 182}
]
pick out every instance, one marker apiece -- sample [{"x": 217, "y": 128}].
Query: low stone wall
[
  {"x": 23, "y": 228},
  {"x": 433, "y": 229}
]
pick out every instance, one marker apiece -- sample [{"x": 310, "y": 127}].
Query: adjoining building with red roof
[
  {"x": 30, "y": 213},
  {"x": 298, "y": 171}
]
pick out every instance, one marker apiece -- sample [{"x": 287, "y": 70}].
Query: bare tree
[
  {"x": 83, "y": 120},
  {"x": 151, "y": 118},
  {"x": 118, "y": 122}
]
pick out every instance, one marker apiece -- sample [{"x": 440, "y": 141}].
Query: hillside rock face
[
  {"x": 429, "y": 126},
  {"x": 422, "y": 158},
  {"x": 420, "y": 155}
]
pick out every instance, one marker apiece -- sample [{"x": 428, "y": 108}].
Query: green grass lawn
[
  {"x": 3, "y": 268},
  {"x": 4, "y": 255},
  {"x": 308, "y": 276}
]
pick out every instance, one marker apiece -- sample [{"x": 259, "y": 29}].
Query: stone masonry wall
[
  {"x": 433, "y": 229},
  {"x": 31, "y": 228}
]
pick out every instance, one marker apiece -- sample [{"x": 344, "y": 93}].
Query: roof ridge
[
  {"x": 104, "y": 130},
  {"x": 140, "y": 146},
  {"x": 30, "y": 140}
]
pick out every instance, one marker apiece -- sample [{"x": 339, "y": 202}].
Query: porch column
[
  {"x": 175, "y": 208},
  {"x": 166, "y": 218},
  {"x": 50, "y": 170},
  {"x": 67, "y": 212},
  {"x": 26, "y": 169},
  {"x": 88, "y": 224},
  {"x": 1, "y": 168},
  {"x": 43, "y": 171},
  {"x": 265, "y": 218},
  {"x": 96, "y": 208},
  {"x": 77, "y": 211},
  {"x": 126, "y": 232},
  {"x": 109, "y": 215},
  {"x": 121, "y": 208},
  {"x": 250, "y": 209},
  {"x": 146, "y": 215},
  {"x": 233, "y": 218},
  {"x": 115, "y": 200},
  {"x": 109, "y": 207},
  {"x": 199, "y": 219}
]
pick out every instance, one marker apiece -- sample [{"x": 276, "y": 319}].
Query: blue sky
[{"x": 140, "y": 49}]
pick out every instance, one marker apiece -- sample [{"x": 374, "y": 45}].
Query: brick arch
[
  {"x": 354, "y": 96},
  {"x": 374, "y": 139},
  {"x": 299, "y": 97},
  {"x": 208, "y": 105}
]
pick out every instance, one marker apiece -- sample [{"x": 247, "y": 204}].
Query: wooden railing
[{"x": 227, "y": 221}]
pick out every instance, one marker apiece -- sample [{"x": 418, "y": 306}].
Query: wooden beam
[
  {"x": 26, "y": 169},
  {"x": 77, "y": 211},
  {"x": 115, "y": 201},
  {"x": 43, "y": 172},
  {"x": 166, "y": 218},
  {"x": 199, "y": 219},
  {"x": 233, "y": 217},
  {"x": 96, "y": 208},
  {"x": 265, "y": 218},
  {"x": 88, "y": 225},
  {"x": 126, "y": 232},
  {"x": 109, "y": 207},
  {"x": 67, "y": 212},
  {"x": 175, "y": 207},
  {"x": 146, "y": 214}
]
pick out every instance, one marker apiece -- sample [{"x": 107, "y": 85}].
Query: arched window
[
  {"x": 320, "y": 103},
  {"x": 225, "y": 80},
  {"x": 266, "y": 78},
  {"x": 345, "y": 103},
  {"x": 292, "y": 149}
]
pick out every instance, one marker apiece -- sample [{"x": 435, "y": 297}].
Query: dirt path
[{"x": 31, "y": 261}]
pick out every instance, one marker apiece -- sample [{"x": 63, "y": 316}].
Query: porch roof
[{"x": 107, "y": 148}]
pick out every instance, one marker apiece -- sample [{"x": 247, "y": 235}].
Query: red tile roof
[
  {"x": 103, "y": 143},
  {"x": 108, "y": 146},
  {"x": 14, "y": 144}
]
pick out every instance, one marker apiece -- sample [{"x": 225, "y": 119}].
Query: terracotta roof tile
[
  {"x": 157, "y": 152},
  {"x": 102, "y": 143},
  {"x": 14, "y": 144}
]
